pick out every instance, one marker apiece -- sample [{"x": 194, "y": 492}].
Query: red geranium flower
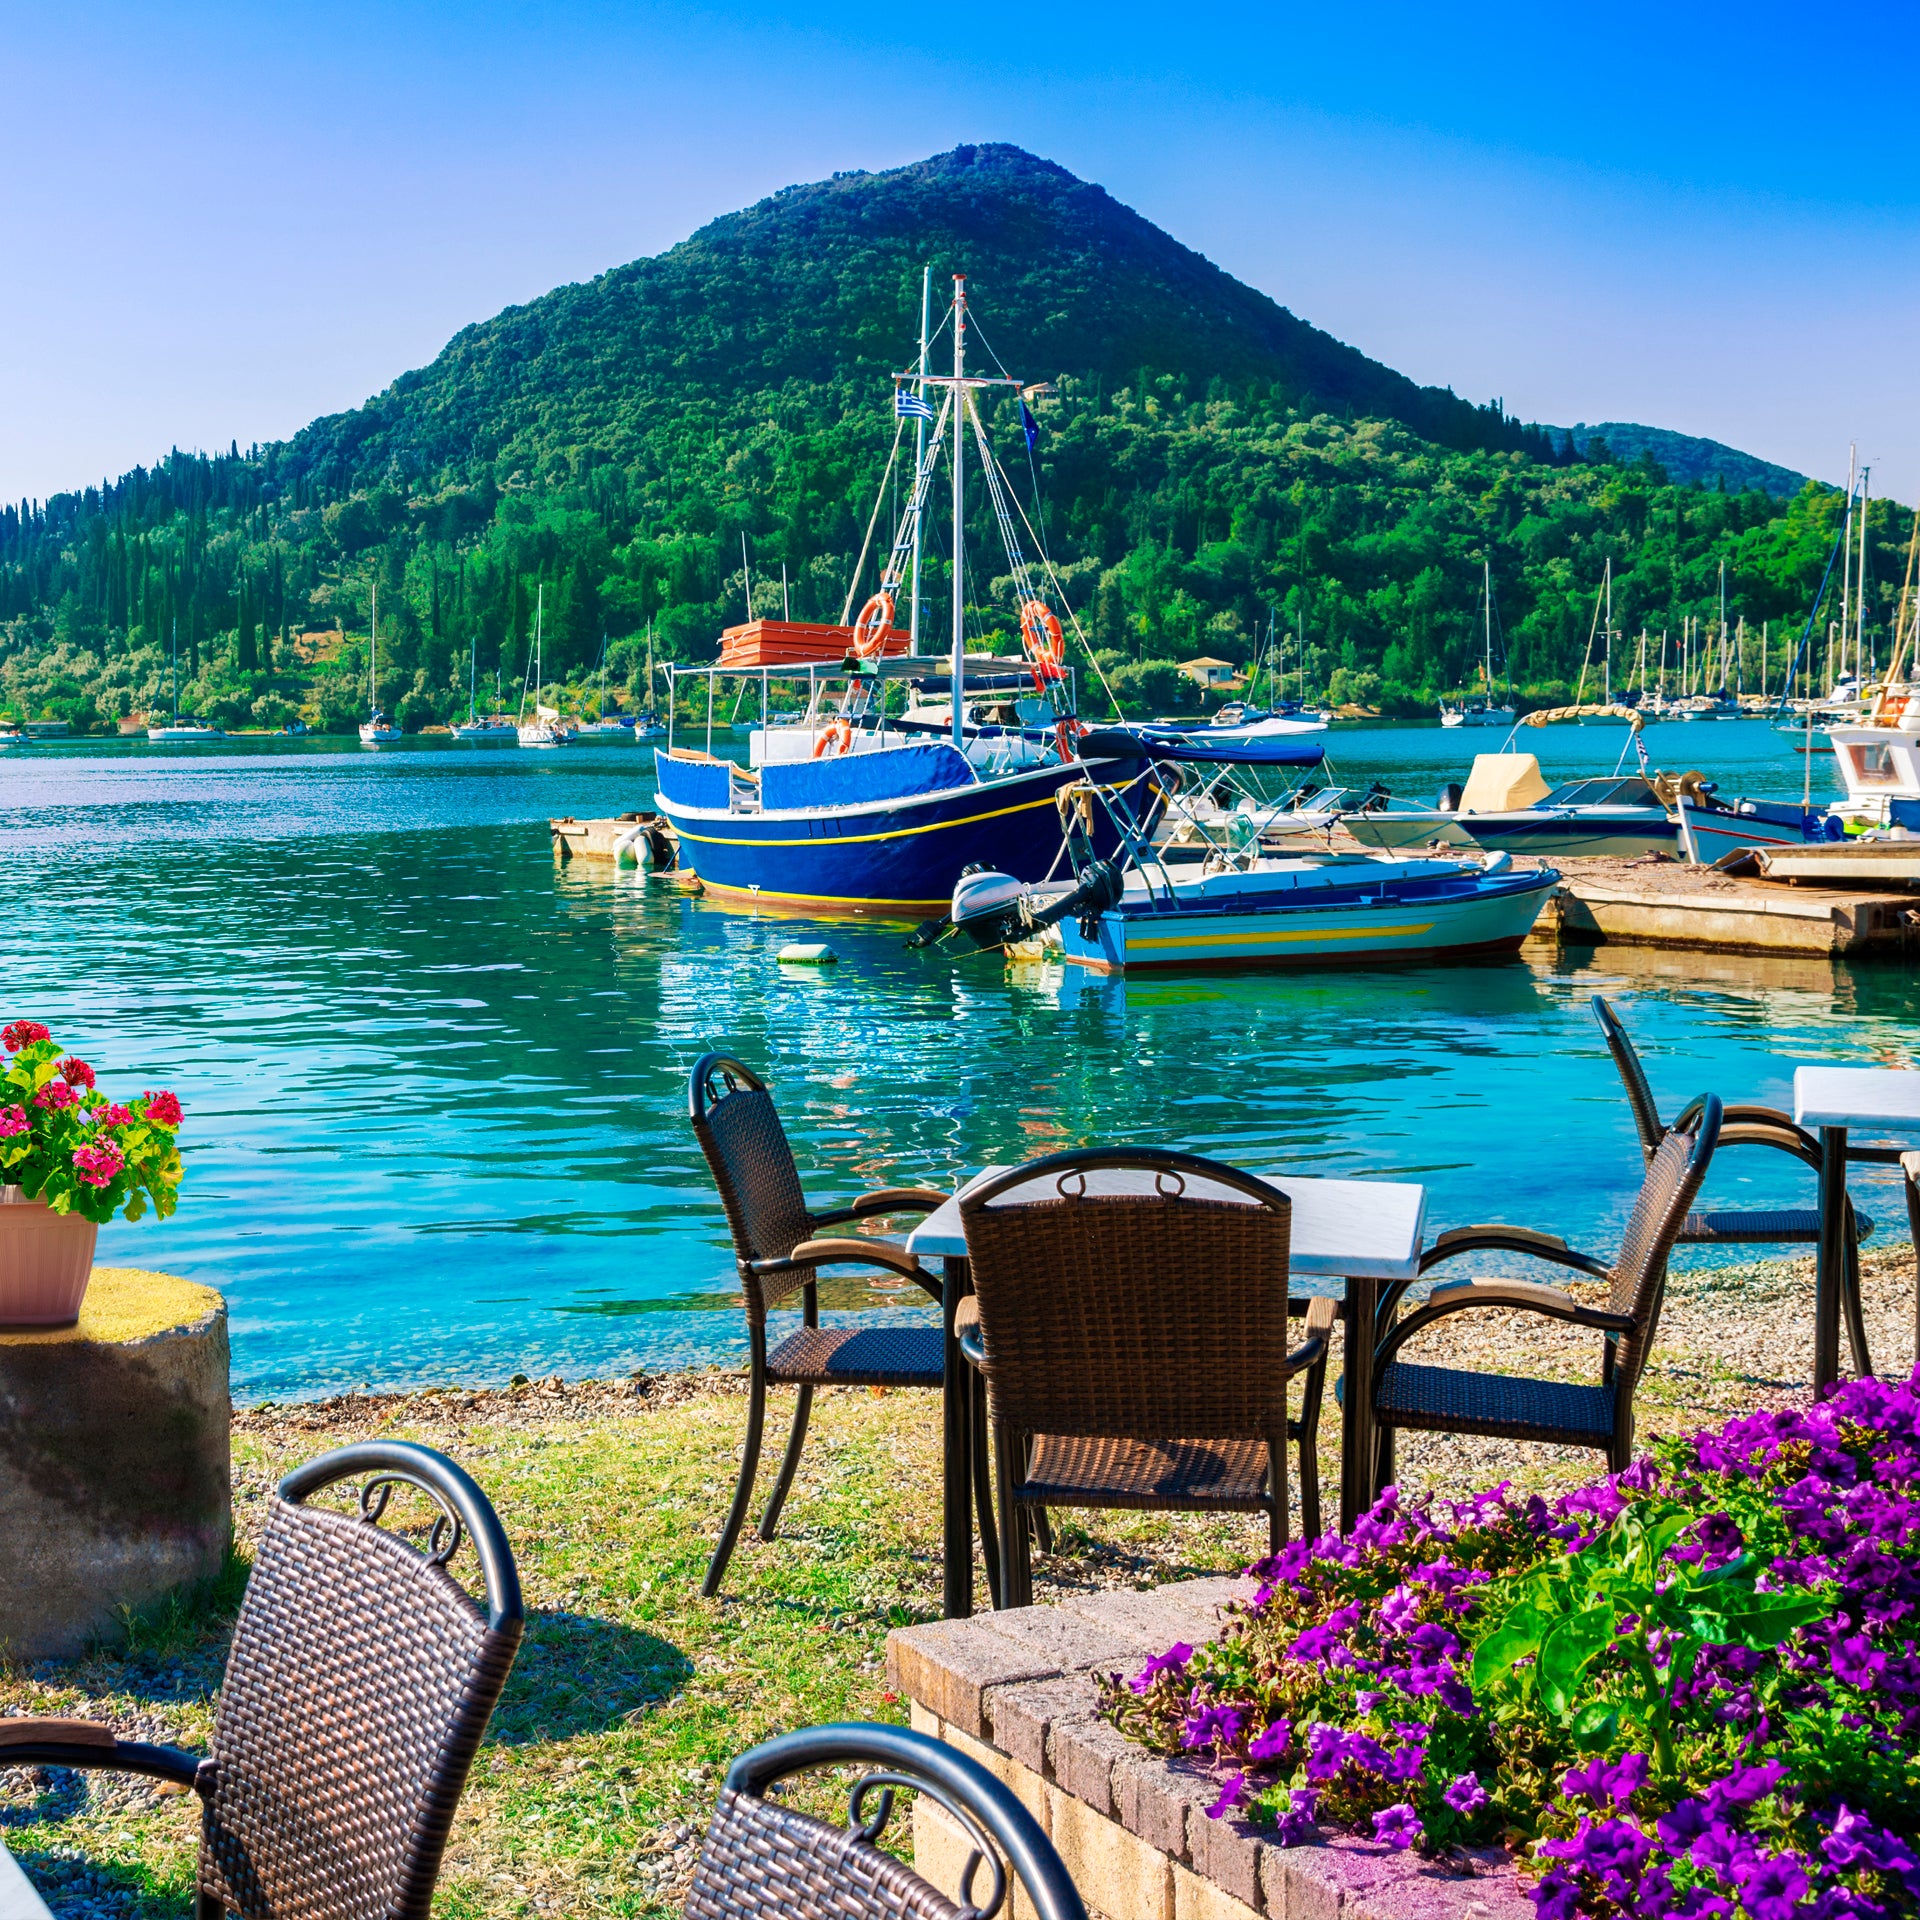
[
  {"x": 55, "y": 1096},
  {"x": 23, "y": 1033},
  {"x": 98, "y": 1164},
  {"x": 163, "y": 1109},
  {"x": 76, "y": 1073}
]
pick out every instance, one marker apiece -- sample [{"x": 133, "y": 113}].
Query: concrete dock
[
  {"x": 644, "y": 838},
  {"x": 1663, "y": 903}
]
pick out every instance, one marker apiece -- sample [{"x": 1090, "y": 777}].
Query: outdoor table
[
  {"x": 1833, "y": 1099},
  {"x": 1358, "y": 1232},
  {"x": 18, "y": 1901}
]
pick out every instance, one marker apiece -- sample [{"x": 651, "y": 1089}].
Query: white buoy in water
[{"x": 804, "y": 953}]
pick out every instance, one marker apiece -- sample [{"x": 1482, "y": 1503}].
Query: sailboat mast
[
  {"x": 1860, "y": 596},
  {"x": 959, "y": 498},
  {"x": 919, "y": 457},
  {"x": 1486, "y": 593},
  {"x": 1846, "y": 568},
  {"x": 1606, "y": 669},
  {"x": 373, "y": 655},
  {"x": 176, "y": 669}
]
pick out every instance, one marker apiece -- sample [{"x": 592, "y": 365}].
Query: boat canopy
[
  {"x": 1151, "y": 743},
  {"x": 846, "y": 780}
]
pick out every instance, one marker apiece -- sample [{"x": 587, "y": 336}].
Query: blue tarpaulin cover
[
  {"x": 845, "y": 780},
  {"x": 693, "y": 783}
]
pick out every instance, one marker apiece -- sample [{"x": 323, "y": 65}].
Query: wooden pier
[{"x": 1666, "y": 904}]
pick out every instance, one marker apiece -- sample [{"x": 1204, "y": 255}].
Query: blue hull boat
[{"x": 887, "y": 831}]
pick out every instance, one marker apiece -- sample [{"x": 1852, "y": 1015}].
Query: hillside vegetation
[{"x": 1209, "y": 467}]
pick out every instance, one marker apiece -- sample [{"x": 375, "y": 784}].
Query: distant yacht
[
  {"x": 544, "y": 729},
  {"x": 1487, "y": 712},
  {"x": 378, "y": 729},
  {"x": 603, "y": 728},
  {"x": 183, "y": 729},
  {"x": 496, "y": 730}
]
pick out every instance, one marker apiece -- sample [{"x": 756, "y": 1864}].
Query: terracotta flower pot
[{"x": 45, "y": 1260}]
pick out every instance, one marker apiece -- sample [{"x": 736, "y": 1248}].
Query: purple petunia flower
[
  {"x": 1218, "y": 1725},
  {"x": 1303, "y": 1805},
  {"x": 1607, "y": 1783},
  {"x": 1772, "y": 1886},
  {"x": 1398, "y": 1826},
  {"x": 1466, "y": 1795},
  {"x": 1174, "y": 1660},
  {"x": 1273, "y": 1743},
  {"x": 1679, "y": 1829},
  {"x": 1231, "y": 1796}
]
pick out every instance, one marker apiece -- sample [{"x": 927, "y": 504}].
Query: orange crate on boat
[{"x": 794, "y": 643}]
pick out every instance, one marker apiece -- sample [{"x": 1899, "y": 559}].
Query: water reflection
[{"x": 436, "y": 1085}]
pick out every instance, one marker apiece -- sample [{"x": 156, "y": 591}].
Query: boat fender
[
  {"x": 806, "y": 953},
  {"x": 1496, "y": 863},
  {"x": 1450, "y": 795}
]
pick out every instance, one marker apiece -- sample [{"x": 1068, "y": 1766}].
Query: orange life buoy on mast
[
  {"x": 870, "y": 630},
  {"x": 835, "y": 737}
]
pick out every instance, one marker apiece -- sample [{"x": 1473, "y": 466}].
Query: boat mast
[
  {"x": 1860, "y": 595},
  {"x": 1606, "y": 666},
  {"x": 1722, "y": 687},
  {"x": 1846, "y": 566},
  {"x": 373, "y": 656},
  {"x": 176, "y": 669},
  {"x": 1486, "y": 594},
  {"x": 919, "y": 456},
  {"x": 959, "y": 491}
]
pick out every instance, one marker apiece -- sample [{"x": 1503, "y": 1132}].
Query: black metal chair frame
[
  {"x": 770, "y": 1271},
  {"x": 831, "y": 1868},
  {"x": 1703, "y": 1120},
  {"x": 1746, "y": 1125},
  {"x": 465, "y": 1513},
  {"x": 1014, "y": 1497}
]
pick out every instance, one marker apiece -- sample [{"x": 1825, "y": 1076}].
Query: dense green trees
[{"x": 1209, "y": 469}]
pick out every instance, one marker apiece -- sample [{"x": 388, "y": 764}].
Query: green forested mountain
[
  {"x": 1685, "y": 457},
  {"x": 1208, "y": 466}
]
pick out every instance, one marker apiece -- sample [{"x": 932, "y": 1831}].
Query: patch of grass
[{"x": 631, "y": 1693}]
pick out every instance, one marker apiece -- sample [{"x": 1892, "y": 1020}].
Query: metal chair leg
[
  {"x": 1850, "y": 1302},
  {"x": 749, "y": 1466},
  {"x": 1016, "y": 1570},
  {"x": 983, "y": 1488},
  {"x": 1042, "y": 1530},
  {"x": 802, "y": 1406}
]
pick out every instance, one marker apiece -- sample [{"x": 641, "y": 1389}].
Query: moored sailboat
[{"x": 379, "y": 729}]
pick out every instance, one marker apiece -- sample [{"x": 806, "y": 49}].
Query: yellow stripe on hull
[
  {"x": 1280, "y": 939},
  {"x": 824, "y": 903},
  {"x": 854, "y": 839}
]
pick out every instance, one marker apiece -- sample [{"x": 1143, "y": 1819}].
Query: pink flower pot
[{"x": 45, "y": 1260}]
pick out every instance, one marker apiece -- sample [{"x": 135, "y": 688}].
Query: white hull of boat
[
  {"x": 480, "y": 734},
  {"x": 183, "y": 736}
]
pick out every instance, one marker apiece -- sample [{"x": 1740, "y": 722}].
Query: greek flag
[{"x": 910, "y": 406}]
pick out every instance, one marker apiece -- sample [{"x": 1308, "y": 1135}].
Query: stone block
[
  {"x": 1086, "y": 1758},
  {"x": 1026, "y": 1786},
  {"x": 1152, "y": 1622},
  {"x": 114, "y": 1459},
  {"x": 1068, "y": 1643},
  {"x": 1227, "y": 1852},
  {"x": 1198, "y": 1899},
  {"x": 949, "y": 1665},
  {"x": 1115, "y": 1871},
  {"x": 1021, "y": 1717},
  {"x": 1170, "y": 1792}
]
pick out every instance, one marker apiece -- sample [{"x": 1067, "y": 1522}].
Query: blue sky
[{"x": 223, "y": 220}]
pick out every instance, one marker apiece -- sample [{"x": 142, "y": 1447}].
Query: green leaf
[
  {"x": 1567, "y": 1652},
  {"x": 1771, "y": 1618},
  {"x": 1594, "y": 1726},
  {"x": 1514, "y": 1639}
]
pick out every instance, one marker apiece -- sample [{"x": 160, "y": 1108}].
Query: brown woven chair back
[
  {"x": 766, "y": 1860},
  {"x": 1633, "y": 1076},
  {"x": 360, "y": 1681},
  {"x": 1674, "y": 1172},
  {"x": 1159, "y": 1314},
  {"x": 739, "y": 1131}
]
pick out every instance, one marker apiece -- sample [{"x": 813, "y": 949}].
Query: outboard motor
[
  {"x": 994, "y": 909},
  {"x": 1450, "y": 795}
]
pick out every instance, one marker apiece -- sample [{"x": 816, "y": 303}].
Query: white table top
[
  {"x": 1857, "y": 1097},
  {"x": 1341, "y": 1228},
  {"x": 18, "y": 1901}
]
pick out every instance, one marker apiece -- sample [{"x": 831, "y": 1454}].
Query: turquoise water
[{"x": 435, "y": 1085}]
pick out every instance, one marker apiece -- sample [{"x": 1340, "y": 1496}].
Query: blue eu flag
[{"x": 1028, "y": 424}]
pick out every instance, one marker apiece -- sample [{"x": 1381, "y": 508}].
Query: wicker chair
[
  {"x": 1746, "y": 1126},
  {"x": 1134, "y": 1343},
  {"x": 763, "y": 1859},
  {"x": 1509, "y": 1406},
  {"x": 359, "y": 1682},
  {"x": 778, "y": 1250}
]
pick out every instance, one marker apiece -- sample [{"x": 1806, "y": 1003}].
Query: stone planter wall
[{"x": 1016, "y": 1691}]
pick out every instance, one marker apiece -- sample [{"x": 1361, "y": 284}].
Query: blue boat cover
[
  {"x": 846, "y": 780},
  {"x": 1276, "y": 750},
  {"x": 693, "y": 783}
]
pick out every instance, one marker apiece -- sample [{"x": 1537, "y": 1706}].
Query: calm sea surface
[{"x": 436, "y": 1085}]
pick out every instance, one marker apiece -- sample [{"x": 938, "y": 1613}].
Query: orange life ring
[
  {"x": 1040, "y": 632},
  {"x": 835, "y": 737},
  {"x": 870, "y": 630}
]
